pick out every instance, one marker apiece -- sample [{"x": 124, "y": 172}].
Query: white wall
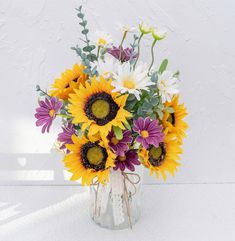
[{"x": 35, "y": 41}]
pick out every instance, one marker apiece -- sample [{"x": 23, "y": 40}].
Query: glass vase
[{"x": 116, "y": 205}]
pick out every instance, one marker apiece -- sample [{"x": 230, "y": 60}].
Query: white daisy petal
[{"x": 167, "y": 85}]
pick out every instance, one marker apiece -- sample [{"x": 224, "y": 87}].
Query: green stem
[
  {"x": 120, "y": 46},
  {"x": 152, "y": 54},
  {"x": 45, "y": 93},
  {"x": 123, "y": 38},
  {"x": 138, "y": 53},
  {"x": 63, "y": 115},
  {"x": 98, "y": 52}
]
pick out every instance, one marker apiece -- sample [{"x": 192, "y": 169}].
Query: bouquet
[{"x": 117, "y": 112}]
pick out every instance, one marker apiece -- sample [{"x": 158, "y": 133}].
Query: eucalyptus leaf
[
  {"x": 160, "y": 114},
  {"x": 83, "y": 23},
  {"x": 80, "y": 15},
  {"x": 85, "y": 31},
  {"x": 170, "y": 109}
]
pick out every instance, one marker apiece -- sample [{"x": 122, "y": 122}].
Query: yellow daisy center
[
  {"x": 95, "y": 155},
  {"x": 100, "y": 108},
  {"x": 129, "y": 84},
  {"x": 144, "y": 134},
  {"x": 52, "y": 113},
  {"x": 114, "y": 140},
  {"x": 102, "y": 41},
  {"x": 122, "y": 158}
]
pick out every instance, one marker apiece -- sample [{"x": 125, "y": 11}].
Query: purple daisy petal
[
  {"x": 42, "y": 114},
  {"x": 149, "y": 132},
  {"x": 128, "y": 160},
  {"x": 119, "y": 146},
  {"x": 65, "y": 137},
  {"x": 121, "y": 54}
]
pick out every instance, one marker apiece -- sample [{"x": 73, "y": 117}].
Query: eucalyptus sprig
[
  {"x": 41, "y": 92},
  {"x": 134, "y": 45},
  {"x": 86, "y": 53}
]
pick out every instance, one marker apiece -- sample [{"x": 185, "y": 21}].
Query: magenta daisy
[
  {"x": 150, "y": 132},
  {"x": 128, "y": 160},
  {"x": 121, "y": 54},
  {"x": 46, "y": 113},
  {"x": 119, "y": 146},
  {"x": 65, "y": 137}
]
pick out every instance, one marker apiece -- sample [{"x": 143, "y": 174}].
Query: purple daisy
[
  {"x": 123, "y": 55},
  {"x": 150, "y": 132},
  {"x": 119, "y": 146},
  {"x": 46, "y": 113},
  {"x": 65, "y": 137},
  {"x": 128, "y": 160}
]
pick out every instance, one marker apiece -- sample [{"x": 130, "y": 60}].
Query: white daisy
[
  {"x": 102, "y": 38},
  {"x": 131, "y": 81},
  {"x": 125, "y": 28},
  {"x": 107, "y": 67},
  {"x": 168, "y": 85}
]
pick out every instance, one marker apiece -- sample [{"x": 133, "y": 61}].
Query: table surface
[{"x": 200, "y": 212}]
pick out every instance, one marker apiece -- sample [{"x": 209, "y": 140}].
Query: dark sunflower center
[
  {"x": 101, "y": 108},
  {"x": 94, "y": 156},
  {"x": 157, "y": 154},
  {"x": 171, "y": 118}
]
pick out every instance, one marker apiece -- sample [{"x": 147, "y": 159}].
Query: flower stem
[
  {"x": 120, "y": 46},
  {"x": 138, "y": 53},
  {"x": 123, "y": 38},
  {"x": 63, "y": 115},
  {"x": 98, "y": 52},
  {"x": 152, "y": 54}
]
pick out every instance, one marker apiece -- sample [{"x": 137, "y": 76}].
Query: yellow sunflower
[
  {"x": 173, "y": 122},
  {"x": 69, "y": 80},
  {"x": 98, "y": 108},
  {"x": 161, "y": 159},
  {"x": 89, "y": 158}
]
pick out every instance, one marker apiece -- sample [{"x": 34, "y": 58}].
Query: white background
[{"x": 35, "y": 41}]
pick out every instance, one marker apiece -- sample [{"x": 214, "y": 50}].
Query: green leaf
[
  {"x": 160, "y": 114},
  {"x": 131, "y": 97},
  {"x": 118, "y": 132},
  {"x": 170, "y": 109},
  {"x": 127, "y": 125},
  {"x": 154, "y": 100},
  {"x": 163, "y": 66},
  {"x": 85, "y": 31}
]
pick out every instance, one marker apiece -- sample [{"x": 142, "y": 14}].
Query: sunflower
[
  {"x": 163, "y": 158},
  {"x": 89, "y": 158},
  {"x": 173, "y": 122},
  {"x": 69, "y": 80},
  {"x": 98, "y": 108}
]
